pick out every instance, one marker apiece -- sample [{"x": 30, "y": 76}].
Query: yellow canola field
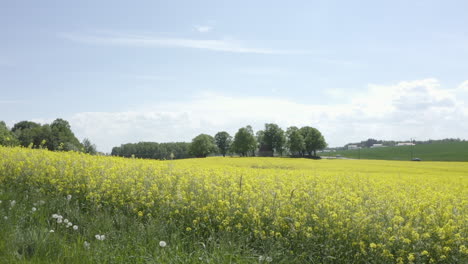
[{"x": 390, "y": 210}]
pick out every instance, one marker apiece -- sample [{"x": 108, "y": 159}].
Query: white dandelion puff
[
  {"x": 100, "y": 237},
  {"x": 69, "y": 197},
  {"x": 261, "y": 258},
  {"x": 12, "y": 203},
  {"x": 268, "y": 259},
  {"x": 162, "y": 243},
  {"x": 69, "y": 224},
  {"x": 65, "y": 221},
  {"x": 34, "y": 209},
  {"x": 59, "y": 220},
  {"x": 75, "y": 227},
  {"x": 5, "y": 217},
  {"x": 51, "y": 231}
]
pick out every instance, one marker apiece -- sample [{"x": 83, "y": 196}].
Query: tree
[
  {"x": 63, "y": 137},
  {"x": 7, "y": 138},
  {"x": 313, "y": 140},
  {"x": 295, "y": 143},
  {"x": 272, "y": 139},
  {"x": 369, "y": 142},
  {"x": 223, "y": 141},
  {"x": 88, "y": 147},
  {"x": 244, "y": 142},
  {"x": 27, "y": 132},
  {"x": 202, "y": 145}
]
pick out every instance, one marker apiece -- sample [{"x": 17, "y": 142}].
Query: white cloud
[
  {"x": 464, "y": 86},
  {"x": 417, "y": 109},
  {"x": 224, "y": 45},
  {"x": 203, "y": 29}
]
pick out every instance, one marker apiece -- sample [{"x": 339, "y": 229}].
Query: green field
[{"x": 445, "y": 151}]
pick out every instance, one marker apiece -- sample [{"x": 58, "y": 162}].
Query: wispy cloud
[
  {"x": 149, "y": 77},
  {"x": 203, "y": 29},
  {"x": 223, "y": 45},
  {"x": 4, "y": 102}
]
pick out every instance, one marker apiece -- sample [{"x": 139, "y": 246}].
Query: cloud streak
[
  {"x": 220, "y": 45},
  {"x": 203, "y": 29}
]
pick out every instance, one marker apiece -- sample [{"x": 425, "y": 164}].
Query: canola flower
[{"x": 387, "y": 210}]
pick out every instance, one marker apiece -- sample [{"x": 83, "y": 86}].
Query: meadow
[
  {"x": 439, "y": 151},
  {"x": 67, "y": 207}
]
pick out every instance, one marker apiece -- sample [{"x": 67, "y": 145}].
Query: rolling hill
[{"x": 441, "y": 151}]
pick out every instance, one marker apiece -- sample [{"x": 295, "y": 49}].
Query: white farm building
[{"x": 405, "y": 144}]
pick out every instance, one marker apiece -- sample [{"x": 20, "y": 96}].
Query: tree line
[
  {"x": 271, "y": 141},
  {"x": 153, "y": 150},
  {"x": 56, "y": 136}
]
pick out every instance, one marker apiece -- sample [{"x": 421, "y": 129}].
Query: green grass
[
  {"x": 26, "y": 237},
  {"x": 446, "y": 151}
]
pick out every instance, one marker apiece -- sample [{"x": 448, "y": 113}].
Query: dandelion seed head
[
  {"x": 162, "y": 243},
  {"x": 5, "y": 217},
  {"x": 261, "y": 258},
  {"x": 69, "y": 224},
  {"x": 34, "y": 209},
  {"x": 12, "y": 203},
  {"x": 98, "y": 237},
  {"x": 75, "y": 227},
  {"x": 51, "y": 231},
  {"x": 59, "y": 220},
  {"x": 65, "y": 221},
  {"x": 69, "y": 197},
  {"x": 268, "y": 259}
]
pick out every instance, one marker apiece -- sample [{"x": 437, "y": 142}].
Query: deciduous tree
[
  {"x": 223, "y": 141},
  {"x": 244, "y": 142},
  {"x": 202, "y": 145}
]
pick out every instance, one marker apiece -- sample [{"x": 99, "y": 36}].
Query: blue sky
[{"x": 124, "y": 71}]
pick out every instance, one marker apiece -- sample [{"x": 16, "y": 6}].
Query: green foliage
[
  {"x": 62, "y": 133},
  {"x": 7, "y": 138},
  {"x": 272, "y": 139},
  {"x": 153, "y": 150},
  {"x": 88, "y": 147},
  {"x": 57, "y": 136},
  {"x": 223, "y": 141},
  {"x": 244, "y": 142},
  {"x": 313, "y": 140},
  {"x": 296, "y": 142},
  {"x": 27, "y": 133},
  {"x": 202, "y": 145}
]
